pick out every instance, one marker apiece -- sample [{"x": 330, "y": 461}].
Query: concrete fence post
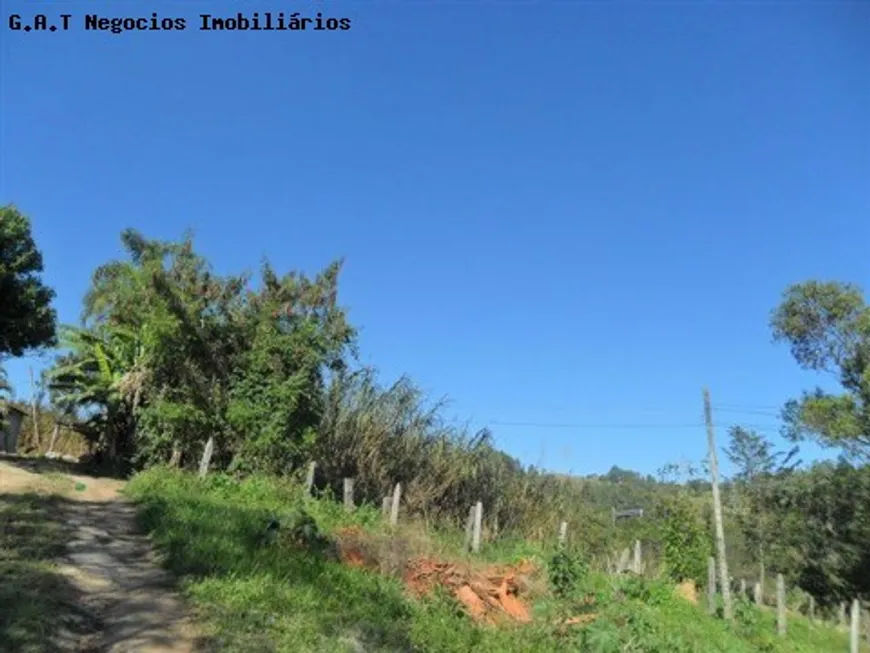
[
  {"x": 348, "y": 493},
  {"x": 711, "y": 585},
  {"x": 781, "y": 626},
  {"x": 394, "y": 509},
  {"x": 478, "y": 526}
]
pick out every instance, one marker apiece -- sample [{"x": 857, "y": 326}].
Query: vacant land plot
[{"x": 268, "y": 570}]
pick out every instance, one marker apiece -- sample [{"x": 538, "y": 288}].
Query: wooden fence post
[
  {"x": 811, "y": 609},
  {"x": 386, "y": 502},
  {"x": 638, "y": 558},
  {"x": 563, "y": 532},
  {"x": 758, "y": 594},
  {"x": 394, "y": 510},
  {"x": 206, "y": 458},
  {"x": 478, "y": 525},
  {"x": 469, "y": 528},
  {"x": 309, "y": 478},
  {"x": 348, "y": 493},
  {"x": 711, "y": 585},
  {"x": 780, "y": 605},
  {"x": 55, "y": 432}
]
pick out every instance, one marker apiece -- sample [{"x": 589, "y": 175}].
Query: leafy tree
[
  {"x": 296, "y": 333},
  {"x": 757, "y": 465},
  {"x": 823, "y": 529},
  {"x": 827, "y": 326},
  {"x": 27, "y": 319}
]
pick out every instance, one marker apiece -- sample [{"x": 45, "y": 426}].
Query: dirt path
[{"x": 124, "y": 598}]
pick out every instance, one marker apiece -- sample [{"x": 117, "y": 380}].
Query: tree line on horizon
[{"x": 168, "y": 354}]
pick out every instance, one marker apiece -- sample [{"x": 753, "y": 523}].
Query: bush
[
  {"x": 567, "y": 573},
  {"x": 686, "y": 545}
]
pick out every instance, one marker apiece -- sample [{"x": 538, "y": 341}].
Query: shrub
[
  {"x": 686, "y": 545},
  {"x": 567, "y": 573}
]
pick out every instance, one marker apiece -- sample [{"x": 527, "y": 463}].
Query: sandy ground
[{"x": 124, "y": 592}]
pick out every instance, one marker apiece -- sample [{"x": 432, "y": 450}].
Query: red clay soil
[
  {"x": 353, "y": 558},
  {"x": 488, "y": 594}
]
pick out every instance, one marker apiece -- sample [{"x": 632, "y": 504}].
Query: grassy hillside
[{"x": 258, "y": 589}]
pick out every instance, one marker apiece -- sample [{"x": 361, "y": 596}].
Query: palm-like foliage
[
  {"x": 5, "y": 392},
  {"x": 103, "y": 375},
  {"x": 5, "y": 386}
]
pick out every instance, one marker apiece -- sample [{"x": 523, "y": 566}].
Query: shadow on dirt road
[
  {"x": 42, "y": 610},
  {"x": 75, "y": 575}
]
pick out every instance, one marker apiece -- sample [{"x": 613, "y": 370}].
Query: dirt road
[{"x": 119, "y": 599}]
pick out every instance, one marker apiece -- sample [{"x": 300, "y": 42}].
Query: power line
[
  {"x": 552, "y": 425},
  {"x": 739, "y": 409},
  {"x": 723, "y": 405},
  {"x": 581, "y": 425},
  {"x": 763, "y": 413}
]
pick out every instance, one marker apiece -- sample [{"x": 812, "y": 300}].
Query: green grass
[{"x": 254, "y": 594}]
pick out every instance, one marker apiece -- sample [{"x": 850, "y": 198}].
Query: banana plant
[
  {"x": 103, "y": 376},
  {"x": 5, "y": 386}
]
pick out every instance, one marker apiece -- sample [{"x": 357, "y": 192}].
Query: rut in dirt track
[{"x": 128, "y": 596}]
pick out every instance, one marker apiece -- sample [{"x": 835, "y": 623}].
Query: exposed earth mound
[{"x": 489, "y": 594}]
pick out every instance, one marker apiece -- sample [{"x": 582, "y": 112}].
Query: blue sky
[{"x": 553, "y": 213}]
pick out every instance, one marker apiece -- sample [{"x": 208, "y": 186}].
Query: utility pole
[{"x": 717, "y": 509}]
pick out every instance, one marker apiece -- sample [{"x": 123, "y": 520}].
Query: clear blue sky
[{"x": 553, "y": 213}]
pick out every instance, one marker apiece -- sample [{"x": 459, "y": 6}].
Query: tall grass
[{"x": 381, "y": 436}]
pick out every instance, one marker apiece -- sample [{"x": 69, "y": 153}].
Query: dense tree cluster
[{"x": 169, "y": 354}]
